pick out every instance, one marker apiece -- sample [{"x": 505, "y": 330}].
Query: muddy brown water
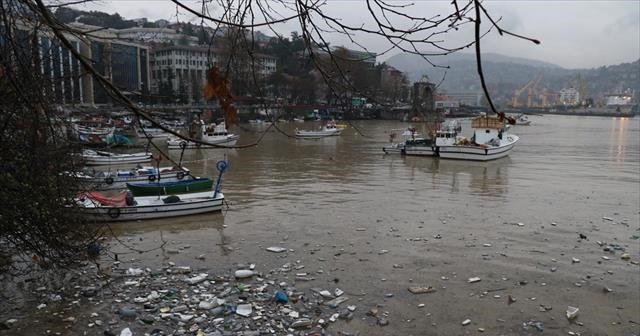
[{"x": 337, "y": 202}]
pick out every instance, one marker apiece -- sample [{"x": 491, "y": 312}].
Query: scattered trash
[
  {"x": 276, "y": 249},
  {"x": 474, "y": 279},
  {"x": 625, "y": 256},
  {"x": 466, "y": 322},
  {"x": 244, "y": 310},
  {"x": 532, "y": 323},
  {"x": 241, "y": 274},
  {"x": 281, "y": 297},
  {"x": 572, "y": 312},
  {"x": 421, "y": 290}
]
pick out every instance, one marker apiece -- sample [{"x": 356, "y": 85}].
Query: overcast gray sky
[{"x": 574, "y": 34}]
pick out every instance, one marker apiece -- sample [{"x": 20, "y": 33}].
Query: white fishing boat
[
  {"x": 216, "y": 135},
  {"x": 491, "y": 140},
  {"x": 329, "y": 129},
  {"x": 104, "y": 180},
  {"x": 122, "y": 207},
  {"x": 126, "y": 207},
  {"x": 91, "y": 135},
  {"x": 95, "y": 158}
]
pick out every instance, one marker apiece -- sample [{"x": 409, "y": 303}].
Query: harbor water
[
  {"x": 338, "y": 204},
  {"x": 375, "y": 224}
]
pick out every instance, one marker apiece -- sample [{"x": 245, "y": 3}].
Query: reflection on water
[{"x": 477, "y": 178}]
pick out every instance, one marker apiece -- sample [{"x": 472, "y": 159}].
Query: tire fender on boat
[
  {"x": 152, "y": 178},
  {"x": 108, "y": 180},
  {"x": 180, "y": 175},
  {"x": 114, "y": 212}
]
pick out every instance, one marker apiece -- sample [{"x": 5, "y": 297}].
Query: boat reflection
[{"x": 477, "y": 178}]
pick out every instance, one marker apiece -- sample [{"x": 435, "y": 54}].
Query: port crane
[{"x": 531, "y": 85}]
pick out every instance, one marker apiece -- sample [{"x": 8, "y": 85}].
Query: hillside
[{"x": 506, "y": 74}]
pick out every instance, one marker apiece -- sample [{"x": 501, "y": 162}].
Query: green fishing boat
[{"x": 171, "y": 188}]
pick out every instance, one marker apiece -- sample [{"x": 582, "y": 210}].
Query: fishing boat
[
  {"x": 412, "y": 144},
  {"x": 104, "y": 180},
  {"x": 161, "y": 187},
  {"x": 92, "y": 135},
  {"x": 329, "y": 129},
  {"x": 491, "y": 140},
  {"x": 126, "y": 207},
  {"x": 215, "y": 135},
  {"x": 95, "y": 158}
]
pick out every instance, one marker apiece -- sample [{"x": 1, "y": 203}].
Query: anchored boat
[
  {"x": 329, "y": 129},
  {"x": 117, "y": 180},
  {"x": 491, "y": 140},
  {"x": 216, "y": 135},
  {"x": 126, "y": 207},
  {"x": 170, "y": 187},
  {"x": 95, "y": 158}
]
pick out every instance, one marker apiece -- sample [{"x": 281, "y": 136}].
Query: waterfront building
[
  {"x": 464, "y": 98},
  {"x": 183, "y": 69},
  {"x": 38, "y": 50},
  {"x": 125, "y": 64},
  {"x": 569, "y": 96}
]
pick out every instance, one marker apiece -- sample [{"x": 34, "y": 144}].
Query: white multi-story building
[
  {"x": 569, "y": 96},
  {"x": 183, "y": 67}
]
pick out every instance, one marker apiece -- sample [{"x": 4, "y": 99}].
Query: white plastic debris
[
  {"x": 196, "y": 279},
  {"x": 244, "y": 310},
  {"x": 466, "y": 322},
  {"x": 474, "y": 279},
  {"x": 244, "y": 274},
  {"x": 326, "y": 294},
  {"x": 134, "y": 272},
  {"x": 126, "y": 332},
  {"x": 276, "y": 249},
  {"x": 572, "y": 312}
]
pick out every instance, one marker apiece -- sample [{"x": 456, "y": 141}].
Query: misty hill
[{"x": 506, "y": 74}]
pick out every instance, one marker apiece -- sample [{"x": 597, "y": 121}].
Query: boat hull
[
  {"x": 170, "y": 188},
  {"x": 228, "y": 141},
  {"x": 419, "y": 150},
  {"x": 118, "y": 180},
  {"x": 477, "y": 153},
  {"x": 393, "y": 149},
  {"x": 96, "y": 158},
  {"x": 152, "y": 207},
  {"x": 105, "y": 160},
  {"x": 317, "y": 134}
]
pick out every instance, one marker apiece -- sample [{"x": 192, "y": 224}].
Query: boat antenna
[{"x": 222, "y": 167}]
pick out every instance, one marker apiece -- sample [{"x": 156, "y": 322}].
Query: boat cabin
[
  {"x": 215, "y": 130},
  {"x": 487, "y": 129},
  {"x": 448, "y": 134}
]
